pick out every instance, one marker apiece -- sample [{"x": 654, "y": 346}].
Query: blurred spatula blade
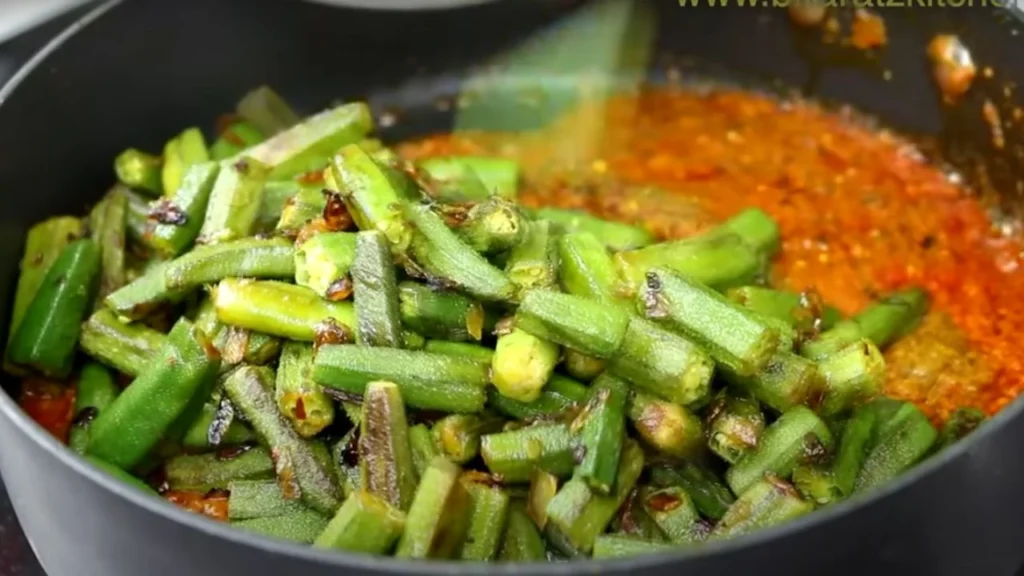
[{"x": 575, "y": 64}]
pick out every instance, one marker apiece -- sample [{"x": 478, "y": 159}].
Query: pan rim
[{"x": 36, "y": 434}]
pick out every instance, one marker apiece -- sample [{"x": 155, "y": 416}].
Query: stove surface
[{"x": 16, "y": 557}]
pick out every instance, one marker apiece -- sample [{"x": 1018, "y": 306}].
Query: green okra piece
[
  {"x": 881, "y": 322},
  {"x": 621, "y": 546},
  {"x": 789, "y": 337},
  {"x": 514, "y": 455},
  {"x": 45, "y": 339},
  {"x": 128, "y": 348},
  {"x": 43, "y": 244},
  {"x": 438, "y": 519},
  {"x": 323, "y": 263},
  {"x": 180, "y": 153},
  {"x": 543, "y": 487},
  {"x": 474, "y": 352},
  {"x": 205, "y": 318},
  {"x": 884, "y": 408},
  {"x": 139, "y": 170},
  {"x": 442, "y": 255},
  {"x": 854, "y": 444},
  {"x": 203, "y": 472},
  {"x": 421, "y": 442},
  {"x": 665, "y": 426},
  {"x": 533, "y": 263},
  {"x": 440, "y": 314},
  {"x": 345, "y": 457},
  {"x": 765, "y": 503},
  {"x": 899, "y": 442},
  {"x": 299, "y": 472},
  {"x": 385, "y": 456},
  {"x": 522, "y": 542},
  {"x": 663, "y": 363},
  {"x": 850, "y": 376},
  {"x": 578, "y": 323},
  {"x": 615, "y": 235},
  {"x": 558, "y": 396},
  {"x": 493, "y": 226},
  {"x": 238, "y": 136},
  {"x": 322, "y": 454},
  {"x": 239, "y": 345},
  {"x": 577, "y": 515},
  {"x": 180, "y": 215},
  {"x": 787, "y": 380},
  {"x": 587, "y": 269},
  {"x": 674, "y": 512},
  {"x": 733, "y": 336},
  {"x": 711, "y": 497},
  {"x": 308, "y": 145},
  {"x": 279, "y": 309},
  {"x": 301, "y": 527},
  {"x": 134, "y": 423},
  {"x": 457, "y": 436},
  {"x": 371, "y": 193},
  {"x": 353, "y": 411},
  {"x": 365, "y": 523},
  {"x": 250, "y": 499},
  {"x": 267, "y": 111},
  {"x": 139, "y": 298},
  {"x": 959, "y": 425},
  {"x": 755, "y": 227},
  {"x": 817, "y": 484},
  {"x": 798, "y": 435},
  {"x": 893, "y": 316},
  {"x": 488, "y": 509},
  {"x": 197, "y": 436},
  {"x": 582, "y": 367},
  {"x": 472, "y": 178},
  {"x": 633, "y": 520},
  {"x": 299, "y": 398},
  {"x": 400, "y": 171},
  {"x": 194, "y": 408},
  {"x": 459, "y": 186},
  {"x": 121, "y": 475},
  {"x": 279, "y": 194},
  {"x": 601, "y": 426},
  {"x": 307, "y": 204},
  {"x": 243, "y": 258},
  {"x": 375, "y": 292},
  {"x": 801, "y": 310},
  {"x": 107, "y": 228},
  {"x": 377, "y": 148},
  {"x": 235, "y": 200},
  {"x": 522, "y": 364},
  {"x": 720, "y": 262},
  {"x": 735, "y": 425},
  {"x": 427, "y": 381},
  {"x": 96, "y": 390}
]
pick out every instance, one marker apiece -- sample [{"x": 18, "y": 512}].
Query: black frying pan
[{"x": 131, "y": 73}]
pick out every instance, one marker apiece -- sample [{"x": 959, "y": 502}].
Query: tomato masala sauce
[{"x": 862, "y": 212}]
